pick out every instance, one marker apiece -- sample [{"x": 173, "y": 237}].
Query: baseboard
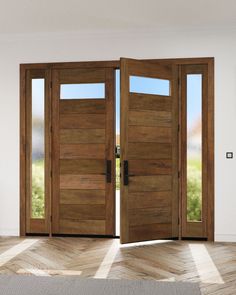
[
  {"x": 9, "y": 232},
  {"x": 225, "y": 237}
]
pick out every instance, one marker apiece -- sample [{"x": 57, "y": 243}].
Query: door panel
[
  {"x": 83, "y": 145},
  {"x": 149, "y": 152}
]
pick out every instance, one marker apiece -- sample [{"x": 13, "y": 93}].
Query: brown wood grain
[
  {"x": 150, "y": 199},
  {"x": 82, "y": 106},
  {"x": 149, "y": 134},
  {"x": 82, "y": 151},
  {"x": 149, "y": 151},
  {"x": 149, "y": 118},
  {"x": 94, "y": 121},
  {"x": 82, "y": 166},
  {"x": 75, "y": 227},
  {"x": 141, "y": 216},
  {"x": 149, "y": 102},
  {"x": 89, "y": 181},
  {"x": 82, "y": 197},
  {"x": 152, "y": 167},
  {"x": 82, "y": 212},
  {"x": 73, "y": 136},
  {"x": 150, "y": 183},
  {"x": 77, "y": 76}
]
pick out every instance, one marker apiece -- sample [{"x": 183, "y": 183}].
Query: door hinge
[
  {"x": 178, "y": 220},
  {"x": 51, "y": 84},
  {"x": 51, "y": 218},
  {"x": 51, "y": 129},
  {"x": 51, "y": 173}
]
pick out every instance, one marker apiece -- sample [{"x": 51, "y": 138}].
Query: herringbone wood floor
[{"x": 213, "y": 265}]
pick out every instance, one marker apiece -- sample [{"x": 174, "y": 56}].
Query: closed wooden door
[
  {"x": 83, "y": 151},
  {"x": 149, "y": 151}
]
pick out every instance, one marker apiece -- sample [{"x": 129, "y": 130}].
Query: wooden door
[
  {"x": 149, "y": 151},
  {"x": 83, "y": 151}
]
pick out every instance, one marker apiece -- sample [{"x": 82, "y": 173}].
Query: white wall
[{"x": 78, "y": 47}]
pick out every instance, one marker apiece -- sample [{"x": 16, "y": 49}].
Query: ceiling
[{"x": 31, "y": 16}]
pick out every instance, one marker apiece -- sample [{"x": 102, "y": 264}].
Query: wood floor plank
[{"x": 212, "y": 265}]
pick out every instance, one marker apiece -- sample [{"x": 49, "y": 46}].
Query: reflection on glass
[
  {"x": 81, "y": 91},
  {"x": 149, "y": 85},
  {"x": 38, "y": 152},
  {"x": 194, "y": 147}
]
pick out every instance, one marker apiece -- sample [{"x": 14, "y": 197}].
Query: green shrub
[
  {"x": 38, "y": 189},
  {"x": 194, "y": 191}
]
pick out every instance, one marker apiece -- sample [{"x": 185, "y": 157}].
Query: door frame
[{"x": 115, "y": 64}]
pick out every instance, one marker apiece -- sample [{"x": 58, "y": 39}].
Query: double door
[{"x": 80, "y": 154}]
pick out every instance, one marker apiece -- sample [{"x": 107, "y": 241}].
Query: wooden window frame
[{"x": 115, "y": 64}]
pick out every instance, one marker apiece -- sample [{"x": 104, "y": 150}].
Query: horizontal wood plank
[
  {"x": 146, "y": 69},
  {"x": 82, "y": 197},
  {"x": 82, "y": 151},
  {"x": 82, "y": 166},
  {"x": 150, "y": 151},
  {"x": 149, "y": 118},
  {"x": 82, "y": 182},
  {"x": 82, "y": 212},
  {"x": 73, "y": 136},
  {"x": 150, "y": 167},
  {"x": 149, "y": 102},
  {"x": 149, "y": 199},
  {"x": 94, "y": 121},
  {"x": 76, "y": 76},
  {"x": 143, "y": 216},
  {"x": 149, "y": 134},
  {"x": 81, "y": 227},
  {"x": 151, "y": 183},
  {"x": 82, "y": 106}
]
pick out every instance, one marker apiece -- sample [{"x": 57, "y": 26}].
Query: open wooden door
[{"x": 149, "y": 151}]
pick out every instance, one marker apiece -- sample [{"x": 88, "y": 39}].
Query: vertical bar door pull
[
  {"x": 126, "y": 172},
  {"x": 108, "y": 172}
]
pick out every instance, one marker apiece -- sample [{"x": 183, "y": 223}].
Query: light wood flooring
[{"x": 213, "y": 265}]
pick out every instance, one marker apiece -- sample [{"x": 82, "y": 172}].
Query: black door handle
[
  {"x": 126, "y": 173},
  {"x": 108, "y": 171}
]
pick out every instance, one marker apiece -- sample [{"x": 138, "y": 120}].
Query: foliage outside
[
  {"x": 194, "y": 190},
  {"x": 38, "y": 189}
]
